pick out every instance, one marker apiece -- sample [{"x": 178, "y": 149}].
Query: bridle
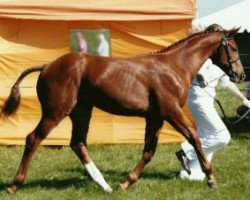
[{"x": 225, "y": 45}]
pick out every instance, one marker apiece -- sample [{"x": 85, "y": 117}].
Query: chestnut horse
[{"x": 153, "y": 86}]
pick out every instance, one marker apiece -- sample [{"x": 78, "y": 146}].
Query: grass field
[{"x": 56, "y": 173}]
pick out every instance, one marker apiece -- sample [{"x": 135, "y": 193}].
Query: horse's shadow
[{"x": 84, "y": 180}]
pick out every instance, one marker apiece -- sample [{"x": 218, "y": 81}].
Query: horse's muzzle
[
  {"x": 242, "y": 77},
  {"x": 237, "y": 78}
]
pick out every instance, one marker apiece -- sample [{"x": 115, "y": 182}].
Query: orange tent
[{"x": 34, "y": 32}]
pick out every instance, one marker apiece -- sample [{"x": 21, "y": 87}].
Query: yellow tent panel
[{"x": 37, "y": 32}]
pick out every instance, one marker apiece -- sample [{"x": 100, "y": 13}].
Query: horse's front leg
[
  {"x": 188, "y": 130},
  {"x": 153, "y": 126}
]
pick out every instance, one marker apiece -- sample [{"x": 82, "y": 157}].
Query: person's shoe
[
  {"x": 196, "y": 175},
  {"x": 184, "y": 160}
]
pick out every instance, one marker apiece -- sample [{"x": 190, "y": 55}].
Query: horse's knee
[{"x": 35, "y": 137}]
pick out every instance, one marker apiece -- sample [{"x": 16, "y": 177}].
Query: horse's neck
[{"x": 199, "y": 49}]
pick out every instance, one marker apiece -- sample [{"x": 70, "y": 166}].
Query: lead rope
[
  {"x": 228, "y": 121},
  {"x": 222, "y": 110}
]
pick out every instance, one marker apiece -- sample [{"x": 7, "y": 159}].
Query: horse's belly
[{"x": 114, "y": 102}]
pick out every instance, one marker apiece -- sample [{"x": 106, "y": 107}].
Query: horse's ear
[{"x": 233, "y": 31}]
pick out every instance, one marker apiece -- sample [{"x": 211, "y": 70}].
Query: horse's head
[{"x": 227, "y": 56}]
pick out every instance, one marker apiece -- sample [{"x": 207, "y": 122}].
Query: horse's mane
[{"x": 183, "y": 40}]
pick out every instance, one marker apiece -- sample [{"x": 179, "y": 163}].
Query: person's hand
[{"x": 246, "y": 102}]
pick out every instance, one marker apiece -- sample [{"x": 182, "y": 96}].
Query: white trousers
[{"x": 212, "y": 132}]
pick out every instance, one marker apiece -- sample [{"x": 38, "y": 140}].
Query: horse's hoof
[
  {"x": 124, "y": 186},
  {"x": 109, "y": 190},
  {"x": 12, "y": 189},
  {"x": 212, "y": 184}
]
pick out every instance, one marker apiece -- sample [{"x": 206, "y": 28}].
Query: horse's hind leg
[
  {"x": 153, "y": 126},
  {"x": 179, "y": 121},
  {"x": 80, "y": 117},
  {"x": 33, "y": 140}
]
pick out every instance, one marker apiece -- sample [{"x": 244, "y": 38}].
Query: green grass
[
  {"x": 56, "y": 173},
  {"x": 230, "y": 104}
]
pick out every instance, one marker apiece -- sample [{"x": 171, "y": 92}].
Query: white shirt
[{"x": 212, "y": 75}]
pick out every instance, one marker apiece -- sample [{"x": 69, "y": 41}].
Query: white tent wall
[
  {"x": 229, "y": 14},
  {"x": 236, "y": 15}
]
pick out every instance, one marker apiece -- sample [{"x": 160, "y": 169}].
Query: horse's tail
[{"x": 12, "y": 103}]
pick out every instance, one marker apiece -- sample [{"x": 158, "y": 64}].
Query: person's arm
[{"x": 236, "y": 92}]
